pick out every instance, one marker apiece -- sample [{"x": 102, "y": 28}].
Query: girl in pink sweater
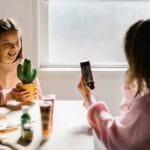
[
  {"x": 131, "y": 130},
  {"x": 10, "y": 57}
]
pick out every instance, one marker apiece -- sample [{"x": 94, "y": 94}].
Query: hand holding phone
[{"x": 87, "y": 74}]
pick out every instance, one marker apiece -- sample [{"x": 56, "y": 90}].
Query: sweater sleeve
[
  {"x": 89, "y": 100},
  {"x": 8, "y": 95},
  {"x": 129, "y": 132}
]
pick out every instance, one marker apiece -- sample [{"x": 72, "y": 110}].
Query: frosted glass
[{"x": 93, "y": 30}]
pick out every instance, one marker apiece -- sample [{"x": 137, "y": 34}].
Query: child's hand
[
  {"x": 23, "y": 95},
  {"x": 84, "y": 89}
]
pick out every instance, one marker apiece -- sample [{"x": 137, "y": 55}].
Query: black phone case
[{"x": 87, "y": 74}]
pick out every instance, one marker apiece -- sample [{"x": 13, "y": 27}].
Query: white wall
[
  {"x": 62, "y": 83},
  {"x": 22, "y": 12},
  {"x": 108, "y": 86}
]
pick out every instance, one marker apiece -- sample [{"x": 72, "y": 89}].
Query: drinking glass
[{"x": 46, "y": 110}]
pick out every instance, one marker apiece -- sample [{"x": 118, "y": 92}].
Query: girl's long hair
[{"x": 137, "y": 51}]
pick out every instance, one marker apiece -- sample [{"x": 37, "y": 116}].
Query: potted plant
[{"x": 26, "y": 74}]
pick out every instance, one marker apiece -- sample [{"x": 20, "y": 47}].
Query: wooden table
[{"x": 70, "y": 127}]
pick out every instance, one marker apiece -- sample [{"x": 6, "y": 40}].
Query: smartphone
[{"x": 87, "y": 74}]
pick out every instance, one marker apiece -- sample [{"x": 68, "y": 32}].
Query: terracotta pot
[{"x": 29, "y": 87}]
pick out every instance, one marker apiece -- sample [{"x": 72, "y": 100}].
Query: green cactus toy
[{"x": 25, "y": 73}]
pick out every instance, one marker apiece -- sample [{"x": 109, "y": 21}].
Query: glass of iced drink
[{"x": 46, "y": 110}]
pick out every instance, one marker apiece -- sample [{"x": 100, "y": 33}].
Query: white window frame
[
  {"x": 42, "y": 29},
  {"x": 42, "y": 43}
]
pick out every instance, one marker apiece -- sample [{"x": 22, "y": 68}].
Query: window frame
[{"x": 43, "y": 47}]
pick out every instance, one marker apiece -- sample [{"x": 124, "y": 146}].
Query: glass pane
[{"x": 94, "y": 30}]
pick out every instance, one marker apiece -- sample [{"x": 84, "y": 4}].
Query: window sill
[{"x": 78, "y": 69}]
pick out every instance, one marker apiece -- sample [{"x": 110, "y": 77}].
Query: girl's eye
[
  {"x": 8, "y": 45},
  {"x": 18, "y": 42}
]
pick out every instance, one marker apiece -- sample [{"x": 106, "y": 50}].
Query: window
[{"x": 74, "y": 30}]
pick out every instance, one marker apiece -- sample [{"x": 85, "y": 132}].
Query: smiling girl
[{"x": 10, "y": 57}]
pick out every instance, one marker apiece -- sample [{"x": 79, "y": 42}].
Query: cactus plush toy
[{"x": 26, "y": 74}]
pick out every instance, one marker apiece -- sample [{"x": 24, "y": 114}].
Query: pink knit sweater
[
  {"x": 130, "y": 131},
  {"x": 9, "y": 79}
]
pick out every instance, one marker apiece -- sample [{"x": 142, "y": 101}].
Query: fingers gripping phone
[{"x": 87, "y": 74}]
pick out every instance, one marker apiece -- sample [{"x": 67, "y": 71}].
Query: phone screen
[{"x": 87, "y": 73}]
